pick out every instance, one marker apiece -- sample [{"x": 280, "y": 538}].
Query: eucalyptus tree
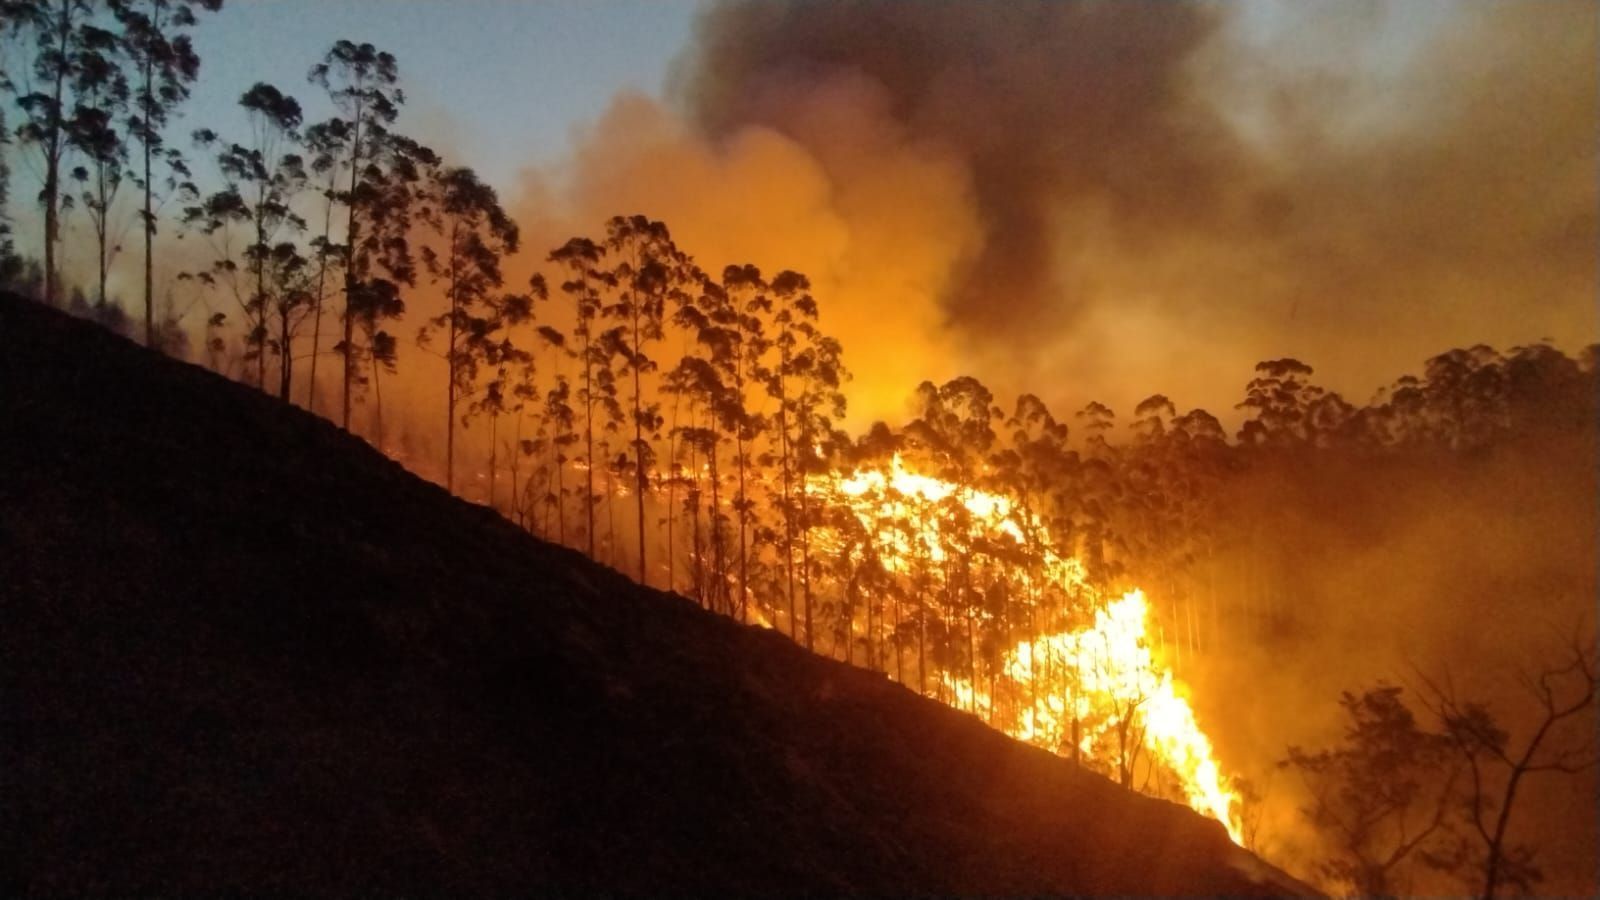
[
  {"x": 101, "y": 88},
  {"x": 955, "y": 432},
  {"x": 1036, "y": 458},
  {"x": 363, "y": 84},
  {"x": 648, "y": 270},
  {"x": 162, "y": 63},
  {"x": 792, "y": 308},
  {"x": 559, "y": 420},
  {"x": 748, "y": 302},
  {"x": 392, "y": 194},
  {"x": 7, "y": 254},
  {"x": 707, "y": 379},
  {"x": 804, "y": 377},
  {"x": 376, "y": 301},
  {"x": 580, "y": 258},
  {"x": 292, "y": 300},
  {"x": 260, "y": 180},
  {"x": 818, "y": 408},
  {"x": 476, "y": 234},
  {"x": 53, "y": 34},
  {"x": 324, "y": 144},
  {"x": 699, "y": 380}
]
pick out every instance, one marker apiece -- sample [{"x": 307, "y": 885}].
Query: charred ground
[{"x": 243, "y": 650}]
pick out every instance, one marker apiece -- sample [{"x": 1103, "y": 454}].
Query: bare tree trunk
[
  {"x": 286, "y": 370},
  {"x": 350, "y": 268},
  {"x": 561, "y": 498},
  {"x": 450, "y": 376},
  {"x": 642, "y": 484},
  {"x": 377, "y": 396},
  {"x": 316, "y": 309},
  {"x": 53, "y": 153},
  {"x": 805, "y": 554},
  {"x": 788, "y": 517},
  {"x": 149, "y": 215},
  {"x": 588, "y": 437},
  {"x": 494, "y": 422}
]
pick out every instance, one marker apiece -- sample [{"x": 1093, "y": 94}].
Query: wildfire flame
[{"x": 1098, "y": 691}]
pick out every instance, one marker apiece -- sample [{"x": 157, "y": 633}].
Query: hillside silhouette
[{"x": 242, "y": 650}]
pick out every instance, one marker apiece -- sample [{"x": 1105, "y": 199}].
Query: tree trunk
[
  {"x": 286, "y": 370},
  {"x": 642, "y": 480},
  {"x": 494, "y": 422},
  {"x": 377, "y": 412},
  {"x": 261, "y": 293},
  {"x": 805, "y": 554},
  {"x": 53, "y": 154},
  {"x": 788, "y": 517},
  {"x": 100, "y": 228},
  {"x": 350, "y": 269},
  {"x": 719, "y": 568},
  {"x": 450, "y": 376},
  {"x": 149, "y": 215},
  {"x": 588, "y": 438},
  {"x": 316, "y": 309}
]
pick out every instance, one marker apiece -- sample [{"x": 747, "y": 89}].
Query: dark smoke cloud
[
  {"x": 1051, "y": 106},
  {"x": 1144, "y": 180}
]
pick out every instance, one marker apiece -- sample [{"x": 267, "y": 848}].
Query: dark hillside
[{"x": 243, "y": 650}]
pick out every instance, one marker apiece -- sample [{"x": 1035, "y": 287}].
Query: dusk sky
[{"x": 506, "y": 80}]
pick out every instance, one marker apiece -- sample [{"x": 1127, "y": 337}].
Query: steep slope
[{"x": 243, "y": 650}]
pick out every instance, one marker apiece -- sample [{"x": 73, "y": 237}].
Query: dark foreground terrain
[{"x": 242, "y": 650}]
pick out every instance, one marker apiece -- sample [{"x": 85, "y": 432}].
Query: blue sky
[{"x": 501, "y": 82}]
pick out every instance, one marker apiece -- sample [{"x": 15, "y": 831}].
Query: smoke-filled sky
[{"x": 1084, "y": 200}]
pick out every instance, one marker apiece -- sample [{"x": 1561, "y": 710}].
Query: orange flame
[{"x": 1100, "y": 682}]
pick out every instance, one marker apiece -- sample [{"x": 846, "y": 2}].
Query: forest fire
[
  {"x": 853, "y": 329},
  {"x": 1095, "y": 693}
]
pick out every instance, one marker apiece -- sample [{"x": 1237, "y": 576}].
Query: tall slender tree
[
  {"x": 363, "y": 83},
  {"x": 259, "y": 182},
  {"x": 324, "y": 145},
  {"x": 748, "y": 304},
  {"x": 581, "y": 258},
  {"x": 54, "y": 33},
  {"x": 649, "y": 269},
  {"x": 477, "y": 234},
  {"x": 7, "y": 254},
  {"x": 101, "y": 88},
  {"x": 163, "y": 64}
]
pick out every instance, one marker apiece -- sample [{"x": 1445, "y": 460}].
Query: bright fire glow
[{"x": 1096, "y": 682}]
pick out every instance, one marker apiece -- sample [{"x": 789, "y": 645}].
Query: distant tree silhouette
[
  {"x": 101, "y": 88},
  {"x": 54, "y": 35},
  {"x": 260, "y": 182},
  {"x": 162, "y": 64},
  {"x": 324, "y": 144},
  {"x": 748, "y": 305},
  {"x": 580, "y": 259},
  {"x": 8, "y": 258},
  {"x": 1562, "y": 692},
  {"x": 477, "y": 234},
  {"x": 648, "y": 270},
  {"x": 1382, "y": 796},
  {"x": 363, "y": 83}
]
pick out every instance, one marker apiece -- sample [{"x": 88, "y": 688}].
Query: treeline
[{"x": 678, "y": 422}]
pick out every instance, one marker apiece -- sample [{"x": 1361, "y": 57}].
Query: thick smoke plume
[{"x": 1111, "y": 202}]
